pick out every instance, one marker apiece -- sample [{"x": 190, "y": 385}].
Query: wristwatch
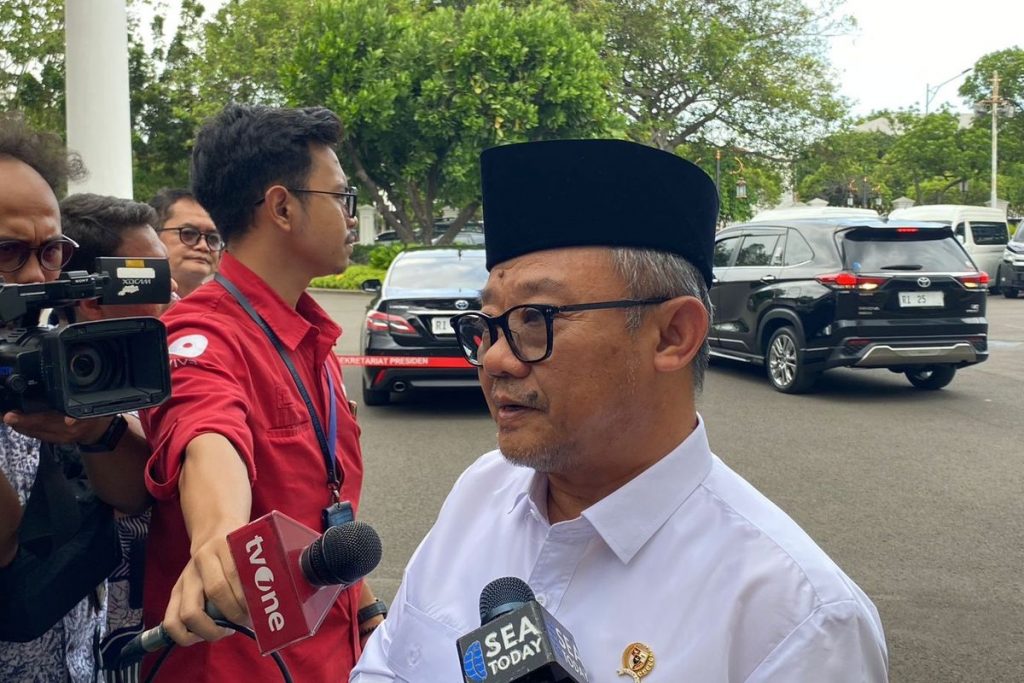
[
  {"x": 110, "y": 438},
  {"x": 376, "y": 608}
]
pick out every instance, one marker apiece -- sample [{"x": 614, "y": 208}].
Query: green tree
[
  {"x": 422, "y": 89},
  {"x": 751, "y": 73},
  {"x": 1009, "y": 64},
  {"x": 845, "y": 165},
  {"x": 32, "y": 61},
  {"x": 164, "y": 100}
]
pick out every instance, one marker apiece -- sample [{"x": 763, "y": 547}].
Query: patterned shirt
[{"x": 65, "y": 652}]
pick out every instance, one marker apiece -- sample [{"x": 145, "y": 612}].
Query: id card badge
[{"x": 337, "y": 514}]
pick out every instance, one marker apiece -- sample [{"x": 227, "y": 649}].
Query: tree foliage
[
  {"x": 938, "y": 158},
  {"x": 165, "y": 101},
  {"x": 32, "y": 61},
  {"x": 753, "y": 73},
  {"x": 422, "y": 89}
]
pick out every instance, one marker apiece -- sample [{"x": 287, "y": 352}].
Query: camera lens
[
  {"x": 85, "y": 366},
  {"x": 95, "y": 366}
]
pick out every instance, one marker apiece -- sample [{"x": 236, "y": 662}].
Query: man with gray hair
[{"x": 604, "y": 495}]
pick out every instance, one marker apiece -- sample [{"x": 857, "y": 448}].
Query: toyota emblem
[
  {"x": 924, "y": 282},
  {"x": 462, "y": 304}
]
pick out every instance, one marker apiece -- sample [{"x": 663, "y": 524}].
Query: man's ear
[
  {"x": 89, "y": 309},
  {"x": 683, "y": 327},
  {"x": 278, "y": 207}
]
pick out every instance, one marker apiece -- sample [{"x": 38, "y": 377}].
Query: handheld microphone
[
  {"x": 518, "y": 640},
  {"x": 290, "y": 577}
]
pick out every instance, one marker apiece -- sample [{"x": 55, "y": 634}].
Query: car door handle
[{"x": 769, "y": 278}]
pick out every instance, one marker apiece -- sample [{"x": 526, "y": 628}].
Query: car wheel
[
  {"x": 931, "y": 377},
  {"x": 1010, "y": 292},
  {"x": 375, "y": 397},
  {"x": 786, "y": 370}
]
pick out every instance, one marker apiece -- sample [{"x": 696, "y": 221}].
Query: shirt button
[
  {"x": 542, "y": 600},
  {"x": 414, "y": 655}
]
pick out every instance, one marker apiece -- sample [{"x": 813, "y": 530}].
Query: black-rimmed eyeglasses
[
  {"x": 347, "y": 199},
  {"x": 53, "y": 254},
  {"x": 527, "y": 328},
  {"x": 191, "y": 237}
]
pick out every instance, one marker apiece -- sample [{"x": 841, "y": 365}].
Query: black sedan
[{"x": 407, "y": 340}]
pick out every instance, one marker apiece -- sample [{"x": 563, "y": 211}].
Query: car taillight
[
  {"x": 385, "y": 322},
  {"x": 974, "y": 281},
  {"x": 850, "y": 281},
  {"x": 906, "y": 231}
]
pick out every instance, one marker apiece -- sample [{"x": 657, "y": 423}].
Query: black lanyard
[{"x": 327, "y": 445}]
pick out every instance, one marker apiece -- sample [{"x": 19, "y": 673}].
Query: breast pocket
[
  {"x": 424, "y": 649},
  {"x": 289, "y": 411}
]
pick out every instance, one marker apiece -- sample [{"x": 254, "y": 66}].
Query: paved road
[{"x": 917, "y": 495}]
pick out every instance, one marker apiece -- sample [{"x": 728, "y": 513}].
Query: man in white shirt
[{"x": 604, "y": 496}]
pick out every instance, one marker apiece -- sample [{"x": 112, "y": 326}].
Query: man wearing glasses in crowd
[
  {"x": 238, "y": 437},
  {"x": 34, "y": 476},
  {"x": 193, "y": 243},
  {"x": 604, "y": 495}
]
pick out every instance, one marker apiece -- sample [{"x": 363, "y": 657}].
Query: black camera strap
[{"x": 327, "y": 444}]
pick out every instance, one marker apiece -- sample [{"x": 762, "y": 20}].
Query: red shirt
[{"x": 227, "y": 378}]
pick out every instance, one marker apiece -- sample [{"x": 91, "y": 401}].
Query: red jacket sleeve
[{"x": 211, "y": 391}]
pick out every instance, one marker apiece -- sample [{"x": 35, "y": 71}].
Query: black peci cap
[{"x": 575, "y": 193}]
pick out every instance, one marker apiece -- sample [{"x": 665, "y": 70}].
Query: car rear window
[
  {"x": 989, "y": 233},
  {"x": 418, "y": 272},
  {"x": 928, "y": 250}
]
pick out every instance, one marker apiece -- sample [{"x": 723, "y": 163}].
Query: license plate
[
  {"x": 922, "y": 300},
  {"x": 440, "y": 325}
]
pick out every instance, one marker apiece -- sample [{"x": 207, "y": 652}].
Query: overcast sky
[{"x": 901, "y": 46}]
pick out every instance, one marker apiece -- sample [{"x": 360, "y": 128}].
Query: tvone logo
[{"x": 263, "y": 577}]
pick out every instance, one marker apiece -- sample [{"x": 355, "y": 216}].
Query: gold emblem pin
[{"x": 637, "y": 661}]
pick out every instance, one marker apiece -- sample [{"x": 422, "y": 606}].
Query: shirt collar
[
  {"x": 628, "y": 518},
  {"x": 291, "y": 325}
]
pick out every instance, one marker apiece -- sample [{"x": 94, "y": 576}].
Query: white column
[
  {"x": 367, "y": 224},
  {"x": 98, "y": 109}
]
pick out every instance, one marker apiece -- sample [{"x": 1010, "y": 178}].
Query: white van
[
  {"x": 980, "y": 229},
  {"x": 811, "y": 213}
]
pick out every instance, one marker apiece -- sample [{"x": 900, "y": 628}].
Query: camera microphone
[{"x": 518, "y": 640}]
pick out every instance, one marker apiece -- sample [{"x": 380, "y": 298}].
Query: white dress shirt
[{"x": 687, "y": 558}]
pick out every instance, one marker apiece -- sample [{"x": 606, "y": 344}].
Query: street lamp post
[{"x": 930, "y": 91}]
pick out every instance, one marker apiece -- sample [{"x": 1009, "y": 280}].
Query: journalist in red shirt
[{"x": 235, "y": 440}]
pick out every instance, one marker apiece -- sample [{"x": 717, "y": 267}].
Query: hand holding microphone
[{"x": 290, "y": 577}]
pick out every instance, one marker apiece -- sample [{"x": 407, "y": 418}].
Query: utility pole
[{"x": 995, "y": 133}]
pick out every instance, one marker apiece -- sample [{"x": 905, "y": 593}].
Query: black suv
[{"x": 803, "y": 296}]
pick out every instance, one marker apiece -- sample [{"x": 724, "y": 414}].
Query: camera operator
[
  {"x": 109, "y": 226},
  {"x": 49, "y": 558}
]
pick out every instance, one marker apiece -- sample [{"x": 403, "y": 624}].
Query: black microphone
[
  {"x": 518, "y": 640},
  {"x": 341, "y": 556}
]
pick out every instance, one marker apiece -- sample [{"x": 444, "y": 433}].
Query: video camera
[{"x": 86, "y": 369}]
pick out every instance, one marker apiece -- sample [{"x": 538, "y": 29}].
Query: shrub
[
  {"x": 352, "y": 278},
  {"x": 382, "y": 256}
]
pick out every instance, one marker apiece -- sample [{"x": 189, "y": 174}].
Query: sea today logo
[{"x": 501, "y": 649}]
